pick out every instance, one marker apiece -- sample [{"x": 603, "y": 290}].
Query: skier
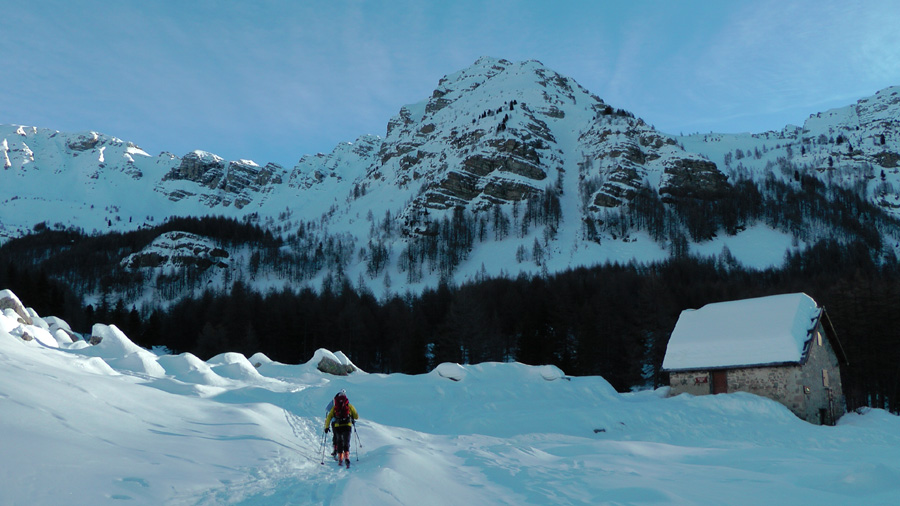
[
  {"x": 327, "y": 410},
  {"x": 344, "y": 415}
]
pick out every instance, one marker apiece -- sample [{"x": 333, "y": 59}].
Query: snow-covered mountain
[
  {"x": 853, "y": 146},
  {"x": 506, "y": 168}
]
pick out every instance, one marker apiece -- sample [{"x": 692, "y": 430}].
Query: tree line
[{"x": 612, "y": 320}]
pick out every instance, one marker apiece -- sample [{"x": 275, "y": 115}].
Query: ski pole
[
  {"x": 357, "y": 435},
  {"x": 324, "y": 435},
  {"x": 358, "y": 444}
]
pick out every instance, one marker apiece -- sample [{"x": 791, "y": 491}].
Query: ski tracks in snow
[{"x": 293, "y": 475}]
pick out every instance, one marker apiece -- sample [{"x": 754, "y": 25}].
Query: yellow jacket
[{"x": 353, "y": 416}]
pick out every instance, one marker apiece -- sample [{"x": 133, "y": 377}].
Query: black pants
[{"x": 342, "y": 438}]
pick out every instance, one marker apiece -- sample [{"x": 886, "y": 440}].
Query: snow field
[{"x": 113, "y": 422}]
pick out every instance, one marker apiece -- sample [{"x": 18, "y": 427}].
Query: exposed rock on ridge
[{"x": 232, "y": 182}]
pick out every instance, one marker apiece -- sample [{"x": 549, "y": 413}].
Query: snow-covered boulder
[
  {"x": 189, "y": 368},
  {"x": 333, "y": 363},
  {"x": 451, "y": 371},
  {"x": 59, "y": 329},
  {"x": 550, "y": 372},
  {"x": 234, "y": 366},
  {"x": 34, "y": 333},
  {"x": 8, "y": 300},
  {"x": 13, "y": 324},
  {"x": 114, "y": 347},
  {"x": 259, "y": 359}
]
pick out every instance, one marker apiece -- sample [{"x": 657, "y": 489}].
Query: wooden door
[{"x": 720, "y": 382}]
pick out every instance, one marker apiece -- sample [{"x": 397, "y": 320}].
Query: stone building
[{"x": 782, "y": 347}]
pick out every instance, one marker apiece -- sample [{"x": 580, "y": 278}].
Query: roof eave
[{"x": 735, "y": 366}]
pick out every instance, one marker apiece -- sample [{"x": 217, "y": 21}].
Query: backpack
[{"x": 341, "y": 409}]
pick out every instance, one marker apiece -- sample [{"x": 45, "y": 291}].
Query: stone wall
[
  {"x": 779, "y": 383},
  {"x": 819, "y": 395},
  {"x": 690, "y": 382}
]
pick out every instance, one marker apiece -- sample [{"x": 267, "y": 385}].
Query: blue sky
[{"x": 274, "y": 80}]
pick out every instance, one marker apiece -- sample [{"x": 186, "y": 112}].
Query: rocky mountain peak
[
  {"x": 484, "y": 135},
  {"x": 500, "y": 132}
]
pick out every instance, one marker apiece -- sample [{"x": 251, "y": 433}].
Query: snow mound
[
  {"x": 234, "y": 366},
  {"x": 451, "y": 371},
  {"x": 111, "y": 342},
  {"x": 190, "y": 369},
  {"x": 96, "y": 365},
  {"x": 258, "y": 359},
  {"x": 872, "y": 418},
  {"x": 550, "y": 372},
  {"x": 226, "y": 359},
  {"x": 487, "y": 371},
  {"x": 121, "y": 353},
  {"x": 142, "y": 363},
  {"x": 305, "y": 374},
  {"x": 61, "y": 336},
  {"x": 323, "y": 353},
  {"x": 8, "y": 321}
]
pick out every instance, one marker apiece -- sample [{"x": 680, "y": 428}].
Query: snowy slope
[
  {"x": 88, "y": 179},
  {"x": 112, "y": 422}
]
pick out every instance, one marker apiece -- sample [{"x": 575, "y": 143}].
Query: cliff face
[{"x": 216, "y": 182}]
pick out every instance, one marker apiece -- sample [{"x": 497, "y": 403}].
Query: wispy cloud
[
  {"x": 777, "y": 58},
  {"x": 274, "y": 80}
]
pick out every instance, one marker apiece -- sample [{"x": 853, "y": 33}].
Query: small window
[
  {"x": 819, "y": 338},
  {"x": 825, "y": 378}
]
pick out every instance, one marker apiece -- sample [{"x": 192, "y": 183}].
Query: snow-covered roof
[{"x": 760, "y": 331}]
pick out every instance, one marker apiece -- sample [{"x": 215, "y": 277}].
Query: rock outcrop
[
  {"x": 217, "y": 182},
  {"x": 178, "y": 250}
]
